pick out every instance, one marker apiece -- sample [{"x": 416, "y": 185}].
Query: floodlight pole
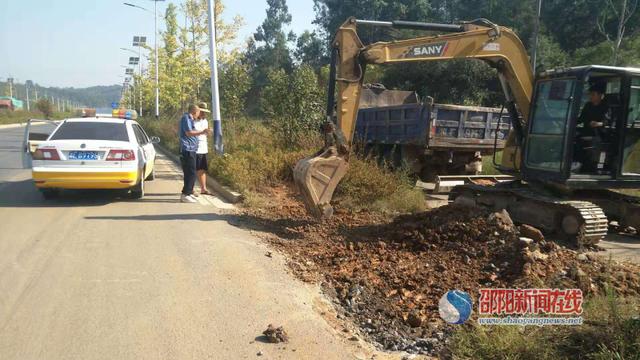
[
  {"x": 213, "y": 63},
  {"x": 155, "y": 35},
  {"x": 140, "y": 77}
]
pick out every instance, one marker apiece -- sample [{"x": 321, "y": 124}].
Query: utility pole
[
  {"x": 218, "y": 146},
  {"x": 26, "y": 88},
  {"x": 10, "y": 81}
]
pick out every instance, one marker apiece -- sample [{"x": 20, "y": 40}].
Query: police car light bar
[{"x": 124, "y": 114}]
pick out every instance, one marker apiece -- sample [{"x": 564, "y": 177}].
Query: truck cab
[{"x": 565, "y": 145}]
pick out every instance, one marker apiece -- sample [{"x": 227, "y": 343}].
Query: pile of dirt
[{"x": 387, "y": 275}]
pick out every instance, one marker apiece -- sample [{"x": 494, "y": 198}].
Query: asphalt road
[{"x": 93, "y": 276}]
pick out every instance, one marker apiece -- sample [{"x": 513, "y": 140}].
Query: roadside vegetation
[
  {"x": 257, "y": 158},
  {"x": 44, "y": 110},
  {"x": 611, "y": 330}
]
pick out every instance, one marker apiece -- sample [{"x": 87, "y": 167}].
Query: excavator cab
[{"x": 563, "y": 146}]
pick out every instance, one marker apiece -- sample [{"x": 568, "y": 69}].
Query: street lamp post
[
  {"x": 140, "y": 41},
  {"x": 155, "y": 35}
]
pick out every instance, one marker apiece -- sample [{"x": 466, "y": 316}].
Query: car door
[
  {"x": 146, "y": 147},
  {"x": 149, "y": 149},
  {"x": 141, "y": 148},
  {"x": 546, "y": 144},
  {"x": 35, "y": 132}
]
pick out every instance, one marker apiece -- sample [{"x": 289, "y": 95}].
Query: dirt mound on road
[{"x": 388, "y": 275}]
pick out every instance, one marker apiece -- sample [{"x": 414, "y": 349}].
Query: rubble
[
  {"x": 276, "y": 335},
  {"x": 531, "y": 232},
  {"x": 387, "y": 275}
]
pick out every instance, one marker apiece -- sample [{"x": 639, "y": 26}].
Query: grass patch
[
  {"x": 370, "y": 186},
  {"x": 611, "y": 330},
  {"x": 487, "y": 164},
  {"x": 16, "y": 117}
]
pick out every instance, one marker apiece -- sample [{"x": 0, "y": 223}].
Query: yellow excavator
[{"x": 563, "y": 168}]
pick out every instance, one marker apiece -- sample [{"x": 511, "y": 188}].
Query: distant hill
[{"x": 94, "y": 96}]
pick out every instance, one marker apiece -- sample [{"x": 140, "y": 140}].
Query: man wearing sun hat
[
  {"x": 201, "y": 123},
  {"x": 188, "y": 151}
]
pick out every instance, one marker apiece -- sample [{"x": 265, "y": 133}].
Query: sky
[{"x": 76, "y": 43}]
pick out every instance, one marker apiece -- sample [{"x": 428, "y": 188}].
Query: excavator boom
[{"x": 318, "y": 176}]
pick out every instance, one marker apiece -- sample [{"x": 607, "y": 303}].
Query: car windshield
[{"x": 91, "y": 131}]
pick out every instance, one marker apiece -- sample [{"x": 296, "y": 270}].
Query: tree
[
  {"x": 459, "y": 81},
  {"x": 234, "y": 85},
  {"x": 293, "y": 103},
  {"x": 311, "y": 50},
  {"x": 620, "y": 11},
  {"x": 330, "y": 14},
  {"x": 45, "y": 107},
  {"x": 183, "y": 57},
  {"x": 268, "y": 49},
  {"x": 550, "y": 54}
]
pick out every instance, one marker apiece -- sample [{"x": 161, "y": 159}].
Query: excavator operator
[
  {"x": 593, "y": 117},
  {"x": 594, "y": 113}
]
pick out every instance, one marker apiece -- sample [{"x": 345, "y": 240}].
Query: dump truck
[{"x": 429, "y": 139}]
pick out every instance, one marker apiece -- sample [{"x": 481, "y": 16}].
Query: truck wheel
[
  {"x": 49, "y": 194},
  {"x": 138, "y": 191}
]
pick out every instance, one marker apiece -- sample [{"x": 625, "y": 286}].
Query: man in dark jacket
[
  {"x": 593, "y": 117},
  {"x": 594, "y": 113}
]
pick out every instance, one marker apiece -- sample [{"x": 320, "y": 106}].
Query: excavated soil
[{"x": 387, "y": 274}]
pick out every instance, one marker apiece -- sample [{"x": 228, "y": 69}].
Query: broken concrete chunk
[
  {"x": 531, "y": 232},
  {"x": 276, "y": 335}
]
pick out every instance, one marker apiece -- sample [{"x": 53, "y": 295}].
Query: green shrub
[
  {"x": 368, "y": 185},
  {"x": 293, "y": 104}
]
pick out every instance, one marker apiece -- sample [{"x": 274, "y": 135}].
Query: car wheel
[
  {"x": 49, "y": 194},
  {"x": 152, "y": 174},
  {"x": 138, "y": 191}
]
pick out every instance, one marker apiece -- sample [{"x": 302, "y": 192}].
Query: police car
[{"x": 98, "y": 152}]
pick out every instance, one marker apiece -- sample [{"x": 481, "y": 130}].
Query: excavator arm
[{"x": 318, "y": 176}]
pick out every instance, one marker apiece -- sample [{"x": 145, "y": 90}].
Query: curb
[
  {"x": 10, "y": 126},
  {"x": 226, "y": 193}
]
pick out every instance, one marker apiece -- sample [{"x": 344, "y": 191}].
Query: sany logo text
[{"x": 431, "y": 50}]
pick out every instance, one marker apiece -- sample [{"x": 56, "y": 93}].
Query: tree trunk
[{"x": 620, "y": 33}]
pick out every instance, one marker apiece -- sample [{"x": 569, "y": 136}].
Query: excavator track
[
  {"x": 581, "y": 223},
  {"x": 622, "y": 208}
]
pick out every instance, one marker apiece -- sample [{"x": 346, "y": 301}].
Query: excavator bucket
[{"x": 317, "y": 177}]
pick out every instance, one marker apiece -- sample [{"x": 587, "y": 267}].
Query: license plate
[{"x": 83, "y": 155}]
